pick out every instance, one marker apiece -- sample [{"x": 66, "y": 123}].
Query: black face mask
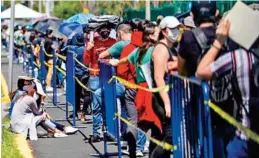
[{"x": 105, "y": 34}]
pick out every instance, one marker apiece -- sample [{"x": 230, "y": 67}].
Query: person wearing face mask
[
  {"x": 91, "y": 53},
  {"x": 147, "y": 119},
  {"x": 162, "y": 54},
  {"x": 26, "y": 116},
  {"x": 136, "y": 140}
]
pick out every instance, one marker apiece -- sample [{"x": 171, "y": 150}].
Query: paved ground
[{"x": 73, "y": 146}]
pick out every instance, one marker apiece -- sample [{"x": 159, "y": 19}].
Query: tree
[
  {"x": 113, "y": 7},
  {"x": 66, "y": 9}
]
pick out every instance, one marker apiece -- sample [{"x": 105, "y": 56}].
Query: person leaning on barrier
[
  {"x": 162, "y": 54},
  {"x": 240, "y": 62},
  {"x": 131, "y": 38},
  {"x": 147, "y": 119},
  {"x": 91, "y": 53},
  {"x": 76, "y": 45}
]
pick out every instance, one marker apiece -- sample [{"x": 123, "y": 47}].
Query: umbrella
[
  {"x": 45, "y": 17},
  {"x": 70, "y": 29},
  {"x": 44, "y": 25},
  {"x": 80, "y": 18}
]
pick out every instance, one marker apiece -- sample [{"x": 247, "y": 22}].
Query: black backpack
[{"x": 221, "y": 88}]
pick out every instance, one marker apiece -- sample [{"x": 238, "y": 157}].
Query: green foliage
[
  {"x": 113, "y": 7},
  {"x": 66, "y": 9},
  {"x": 9, "y": 149}
]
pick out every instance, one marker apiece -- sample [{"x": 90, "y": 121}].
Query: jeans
[
  {"x": 141, "y": 140},
  {"x": 94, "y": 84},
  {"x": 61, "y": 78},
  {"x": 97, "y": 110},
  {"x": 58, "y": 126}
]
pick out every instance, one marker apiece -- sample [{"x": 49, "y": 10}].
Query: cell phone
[{"x": 91, "y": 36}]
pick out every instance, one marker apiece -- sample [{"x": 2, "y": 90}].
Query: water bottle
[{"x": 30, "y": 71}]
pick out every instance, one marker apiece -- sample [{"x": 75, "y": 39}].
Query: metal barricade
[
  {"x": 191, "y": 120},
  {"x": 109, "y": 108},
  {"x": 70, "y": 88},
  {"x": 43, "y": 70}
]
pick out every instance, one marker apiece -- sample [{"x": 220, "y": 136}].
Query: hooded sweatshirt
[{"x": 127, "y": 71}]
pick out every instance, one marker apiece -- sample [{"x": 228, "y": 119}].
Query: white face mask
[
  {"x": 35, "y": 96},
  {"x": 173, "y": 34}
]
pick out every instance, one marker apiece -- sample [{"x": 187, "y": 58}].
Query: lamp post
[
  {"x": 148, "y": 17},
  {"x": 11, "y": 48}
]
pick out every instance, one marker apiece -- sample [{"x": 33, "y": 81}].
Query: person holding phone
[{"x": 91, "y": 53}]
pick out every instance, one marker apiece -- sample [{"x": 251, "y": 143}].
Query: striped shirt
[{"x": 240, "y": 62}]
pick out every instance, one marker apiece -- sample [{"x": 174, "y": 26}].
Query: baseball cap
[
  {"x": 188, "y": 21},
  {"x": 170, "y": 22}
]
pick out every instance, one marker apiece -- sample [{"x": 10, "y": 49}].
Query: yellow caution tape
[
  {"x": 60, "y": 70},
  {"x": 96, "y": 70},
  {"x": 4, "y": 90},
  {"x": 135, "y": 86},
  {"x": 49, "y": 55},
  {"x": 252, "y": 135},
  {"x": 164, "y": 145},
  {"x": 82, "y": 85},
  {"x": 46, "y": 64},
  {"x": 37, "y": 65},
  {"x": 62, "y": 57}
]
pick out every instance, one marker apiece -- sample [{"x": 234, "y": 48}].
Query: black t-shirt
[
  {"x": 190, "y": 50},
  {"x": 48, "y": 48}
]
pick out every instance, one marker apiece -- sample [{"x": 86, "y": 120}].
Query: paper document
[
  {"x": 63, "y": 66},
  {"x": 244, "y": 24},
  {"x": 146, "y": 69}
]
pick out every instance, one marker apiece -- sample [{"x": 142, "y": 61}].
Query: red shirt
[
  {"x": 127, "y": 71},
  {"x": 91, "y": 57}
]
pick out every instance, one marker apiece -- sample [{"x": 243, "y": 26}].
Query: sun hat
[{"x": 39, "y": 87}]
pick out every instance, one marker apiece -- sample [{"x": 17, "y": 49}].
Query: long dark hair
[{"x": 149, "y": 29}]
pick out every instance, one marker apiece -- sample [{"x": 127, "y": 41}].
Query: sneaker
[
  {"x": 95, "y": 139},
  {"x": 139, "y": 153},
  {"x": 146, "y": 147},
  {"x": 49, "y": 89},
  {"x": 70, "y": 130},
  {"x": 125, "y": 151},
  {"x": 60, "y": 135},
  {"x": 124, "y": 144}
]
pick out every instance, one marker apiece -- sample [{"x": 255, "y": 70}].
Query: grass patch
[{"x": 9, "y": 149}]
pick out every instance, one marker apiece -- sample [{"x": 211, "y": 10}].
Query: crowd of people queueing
[{"x": 169, "y": 46}]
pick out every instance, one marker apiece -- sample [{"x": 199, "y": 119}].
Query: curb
[{"x": 23, "y": 146}]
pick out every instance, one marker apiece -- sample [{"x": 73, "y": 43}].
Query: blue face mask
[{"x": 173, "y": 34}]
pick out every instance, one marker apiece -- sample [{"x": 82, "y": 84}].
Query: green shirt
[
  {"x": 116, "y": 49},
  {"x": 146, "y": 59}
]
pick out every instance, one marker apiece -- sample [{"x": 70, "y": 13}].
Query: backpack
[{"x": 221, "y": 88}]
